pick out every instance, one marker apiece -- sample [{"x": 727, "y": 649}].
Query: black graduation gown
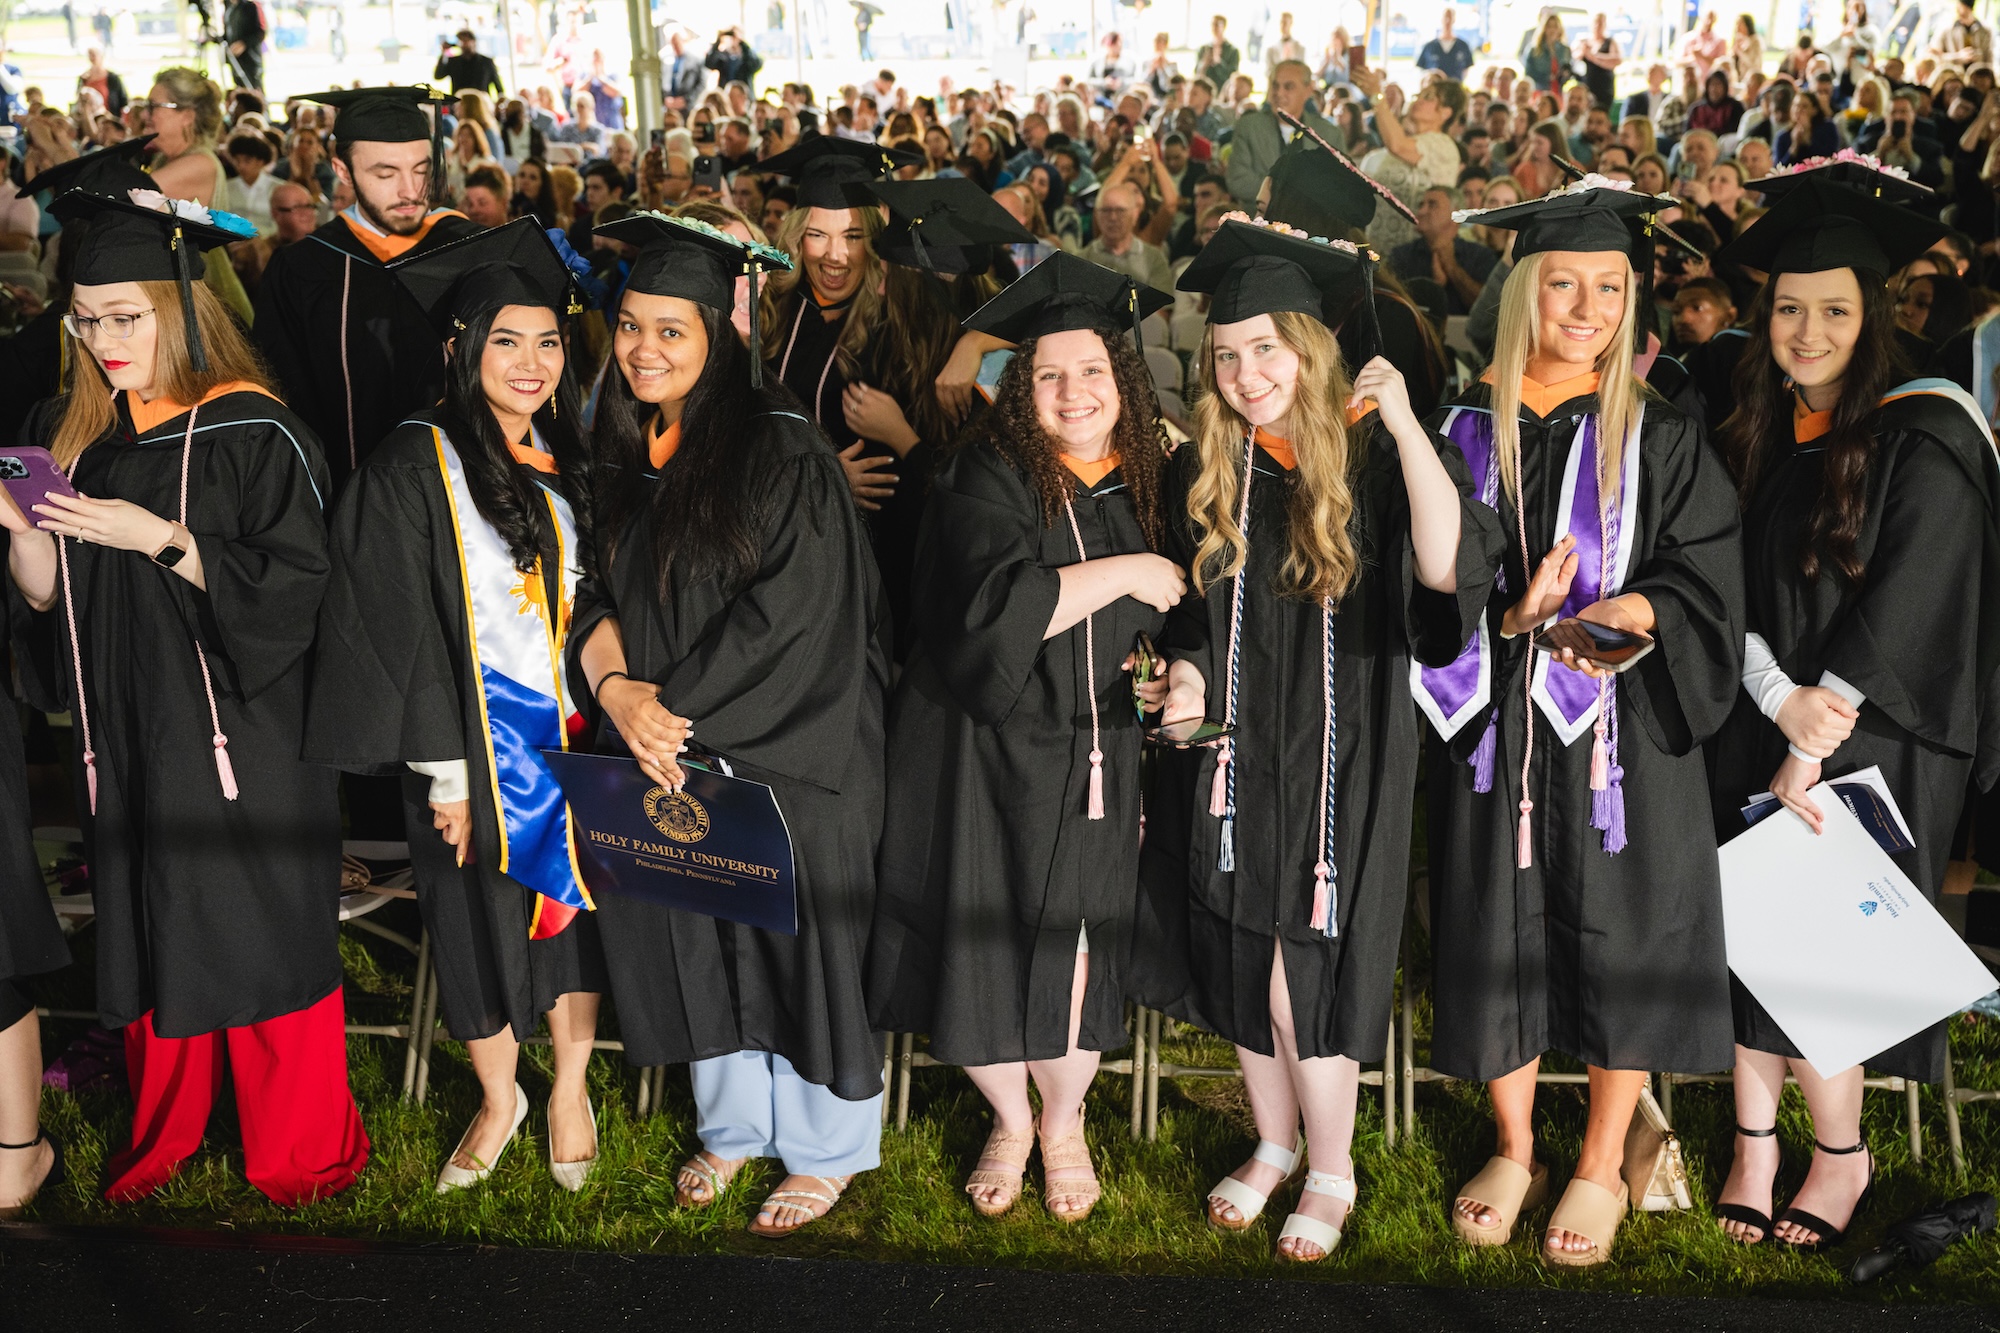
[
  {"x": 1712, "y": 369},
  {"x": 989, "y": 863},
  {"x": 785, "y": 678},
  {"x": 1615, "y": 960},
  {"x": 211, "y": 913},
  {"x": 812, "y": 372},
  {"x": 31, "y": 942},
  {"x": 395, "y": 684},
  {"x": 1919, "y": 638},
  {"x": 1206, "y": 941},
  {"x": 392, "y": 362}
]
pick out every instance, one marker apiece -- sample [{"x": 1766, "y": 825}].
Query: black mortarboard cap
[
  {"x": 951, "y": 213},
  {"x": 1818, "y": 225},
  {"x": 687, "y": 258},
  {"x": 1063, "y": 293},
  {"x": 108, "y": 171},
  {"x": 513, "y": 264},
  {"x": 1318, "y": 189},
  {"x": 1250, "y": 270},
  {"x": 1861, "y": 173},
  {"x": 132, "y": 241},
  {"x": 393, "y": 114},
  {"x": 832, "y": 172},
  {"x": 1583, "y": 220}
]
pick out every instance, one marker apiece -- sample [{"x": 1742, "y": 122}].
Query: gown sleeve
[
  {"x": 384, "y": 688},
  {"x": 1440, "y": 624},
  {"x": 261, "y": 531},
  {"x": 1185, "y": 637},
  {"x": 1693, "y": 577},
  {"x": 981, "y": 595},
  {"x": 1919, "y": 639},
  {"x": 771, "y": 681}
]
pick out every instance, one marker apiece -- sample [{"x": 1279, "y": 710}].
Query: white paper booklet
[{"x": 1835, "y": 941}]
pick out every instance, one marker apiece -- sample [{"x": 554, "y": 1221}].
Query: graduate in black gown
[
  {"x": 1575, "y": 899},
  {"x": 1871, "y": 536},
  {"x": 482, "y": 492},
  {"x": 733, "y": 594},
  {"x": 818, "y": 317},
  {"x": 352, "y": 351},
  {"x": 174, "y": 617},
  {"x": 934, "y": 252},
  {"x": 1327, "y": 544},
  {"x": 1011, "y": 842}
]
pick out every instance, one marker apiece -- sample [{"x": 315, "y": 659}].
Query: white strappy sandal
[
  {"x": 1246, "y": 1200},
  {"x": 1310, "y": 1229}
]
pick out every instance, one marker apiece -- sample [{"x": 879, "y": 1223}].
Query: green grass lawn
[{"x": 1150, "y": 1220}]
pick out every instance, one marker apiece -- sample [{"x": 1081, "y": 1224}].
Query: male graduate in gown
[{"x": 351, "y": 350}]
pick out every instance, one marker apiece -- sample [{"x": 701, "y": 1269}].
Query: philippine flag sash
[{"x": 516, "y": 625}]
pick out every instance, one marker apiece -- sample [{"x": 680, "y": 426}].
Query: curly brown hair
[{"x": 1016, "y": 434}]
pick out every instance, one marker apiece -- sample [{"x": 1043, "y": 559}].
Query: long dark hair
[
  {"x": 707, "y": 520},
  {"x": 1016, "y": 434},
  {"x": 1760, "y": 427},
  {"x": 908, "y": 349},
  {"x": 508, "y": 501}
]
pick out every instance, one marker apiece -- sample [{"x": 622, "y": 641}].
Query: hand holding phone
[
  {"x": 1588, "y": 641},
  {"x": 1189, "y": 734},
  {"x": 31, "y": 476}
]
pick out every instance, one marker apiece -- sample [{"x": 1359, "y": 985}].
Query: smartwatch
[{"x": 170, "y": 555}]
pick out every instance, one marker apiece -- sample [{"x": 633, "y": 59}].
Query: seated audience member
[
  {"x": 487, "y": 196},
  {"x": 1460, "y": 267},
  {"x": 1703, "y": 308}
]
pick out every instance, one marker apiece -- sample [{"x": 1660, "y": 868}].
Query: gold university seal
[{"x": 677, "y": 814}]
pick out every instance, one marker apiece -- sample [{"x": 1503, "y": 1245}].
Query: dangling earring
[{"x": 552, "y": 407}]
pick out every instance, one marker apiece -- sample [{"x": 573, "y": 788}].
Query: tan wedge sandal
[
  {"x": 1506, "y": 1188},
  {"x": 1592, "y": 1212},
  {"x": 1066, "y": 1154},
  {"x": 1013, "y": 1149}
]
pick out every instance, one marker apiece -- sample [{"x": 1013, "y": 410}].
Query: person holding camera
[
  {"x": 468, "y": 70},
  {"x": 1900, "y": 142},
  {"x": 732, "y": 59}
]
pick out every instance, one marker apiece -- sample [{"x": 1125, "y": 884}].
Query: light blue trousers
[{"x": 754, "y": 1104}]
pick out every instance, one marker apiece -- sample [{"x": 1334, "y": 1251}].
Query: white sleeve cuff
[
  {"x": 450, "y": 779},
  {"x": 1797, "y": 753},
  {"x": 1763, "y": 679},
  {"x": 1829, "y": 681}
]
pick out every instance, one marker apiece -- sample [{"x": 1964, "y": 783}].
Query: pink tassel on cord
[
  {"x": 223, "y": 768},
  {"x": 1600, "y": 762},
  {"x": 1321, "y": 903},
  {"x": 1096, "y": 783},
  {"x": 1218, "y": 790},
  {"x": 1483, "y": 755},
  {"x": 1525, "y": 844},
  {"x": 90, "y": 777}
]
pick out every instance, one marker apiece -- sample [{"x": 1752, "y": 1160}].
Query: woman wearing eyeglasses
[
  {"x": 169, "y": 605},
  {"x": 183, "y": 112}
]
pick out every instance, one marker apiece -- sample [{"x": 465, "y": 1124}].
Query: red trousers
[{"x": 302, "y": 1134}]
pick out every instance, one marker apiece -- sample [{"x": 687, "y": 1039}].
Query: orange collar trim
[
  {"x": 386, "y": 247},
  {"x": 662, "y": 445},
  {"x": 1281, "y": 451},
  {"x": 1542, "y": 399},
  {"x": 538, "y": 459},
  {"x": 1093, "y": 472},
  {"x": 151, "y": 416},
  {"x": 1808, "y": 425}
]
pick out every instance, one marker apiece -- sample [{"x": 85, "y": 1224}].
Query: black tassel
[
  {"x": 184, "y": 273},
  {"x": 1370, "y": 339}
]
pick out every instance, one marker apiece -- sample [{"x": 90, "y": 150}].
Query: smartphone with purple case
[{"x": 30, "y": 475}]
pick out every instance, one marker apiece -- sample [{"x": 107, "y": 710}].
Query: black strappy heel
[
  {"x": 1830, "y": 1237},
  {"x": 55, "y": 1177},
  {"x": 1742, "y": 1213}
]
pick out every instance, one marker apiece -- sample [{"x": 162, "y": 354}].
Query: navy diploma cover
[{"x": 719, "y": 846}]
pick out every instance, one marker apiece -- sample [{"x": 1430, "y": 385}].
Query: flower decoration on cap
[
  {"x": 191, "y": 211},
  {"x": 1346, "y": 162},
  {"x": 771, "y": 255},
  {"x": 1286, "y": 229},
  {"x": 1847, "y": 157}
]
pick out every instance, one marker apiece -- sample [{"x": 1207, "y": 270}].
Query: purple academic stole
[{"x": 1572, "y": 702}]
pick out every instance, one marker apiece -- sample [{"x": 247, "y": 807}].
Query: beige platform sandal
[
  {"x": 1310, "y": 1229},
  {"x": 1013, "y": 1149},
  {"x": 1506, "y": 1188},
  {"x": 1066, "y": 1154},
  {"x": 1591, "y": 1211}
]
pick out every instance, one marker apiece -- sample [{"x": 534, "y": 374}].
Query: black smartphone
[
  {"x": 1598, "y": 644},
  {"x": 659, "y": 138},
  {"x": 1189, "y": 733}
]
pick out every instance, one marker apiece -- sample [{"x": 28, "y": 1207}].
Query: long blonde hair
[
  {"x": 1320, "y": 559},
  {"x": 88, "y": 408},
  {"x": 1618, "y": 393},
  {"x": 862, "y": 316}
]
